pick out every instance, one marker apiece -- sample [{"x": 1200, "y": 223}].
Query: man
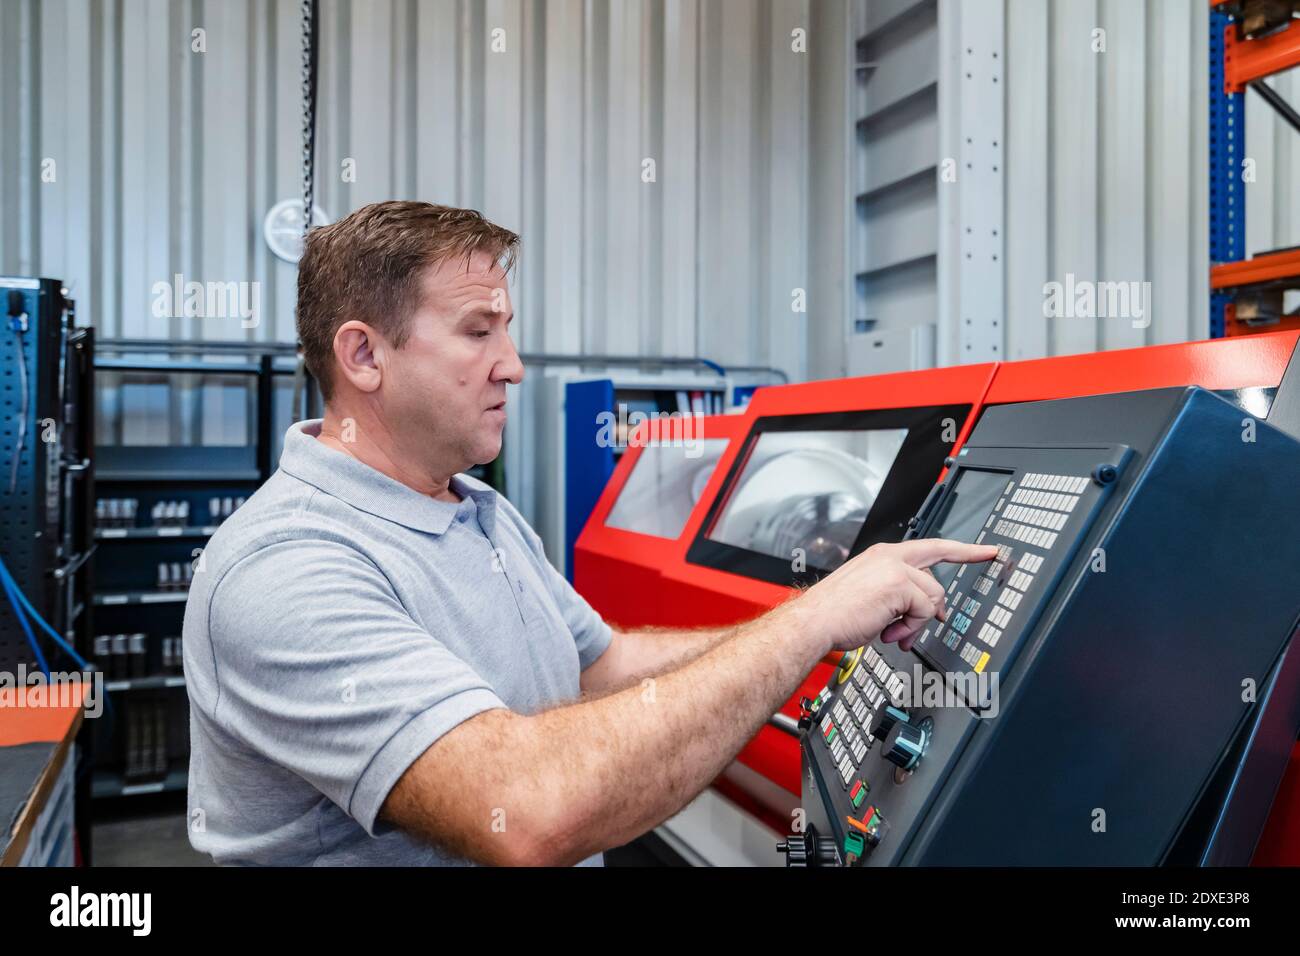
[{"x": 382, "y": 666}]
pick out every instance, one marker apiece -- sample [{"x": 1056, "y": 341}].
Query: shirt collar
[{"x": 339, "y": 474}]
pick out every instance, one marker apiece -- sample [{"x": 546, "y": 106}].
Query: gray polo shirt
[{"x": 339, "y": 623}]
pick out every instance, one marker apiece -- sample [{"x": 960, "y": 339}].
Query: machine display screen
[
  {"x": 810, "y": 490},
  {"x": 664, "y": 486},
  {"x": 808, "y": 493},
  {"x": 968, "y": 506}
]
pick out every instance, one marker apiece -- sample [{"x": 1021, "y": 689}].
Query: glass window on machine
[
  {"x": 664, "y": 486},
  {"x": 808, "y": 492}
]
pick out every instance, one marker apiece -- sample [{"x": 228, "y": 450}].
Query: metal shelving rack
[
  {"x": 1249, "y": 40},
  {"x": 170, "y": 471}
]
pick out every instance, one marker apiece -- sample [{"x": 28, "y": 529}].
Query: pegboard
[{"x": 28, "y": 523}]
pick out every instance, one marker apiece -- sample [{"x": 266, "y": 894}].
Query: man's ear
[{"x": 357, "y": 350}]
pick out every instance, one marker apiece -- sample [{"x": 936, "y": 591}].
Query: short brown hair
[{"x": 367, "y": 266}]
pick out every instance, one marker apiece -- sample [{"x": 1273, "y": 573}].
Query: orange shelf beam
[
  {"x": 1247, "y": 60},
  {"x": 1265, "y": 268}
]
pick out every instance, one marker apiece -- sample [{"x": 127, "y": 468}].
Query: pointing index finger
[{"x": 926, "y": 552}]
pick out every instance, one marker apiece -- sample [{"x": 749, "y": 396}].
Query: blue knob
[{"x": 905, "y": 745}]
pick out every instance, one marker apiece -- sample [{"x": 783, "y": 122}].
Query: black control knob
[
  {"x": 809, "y": 710},
  {"x": 905, "y": 745},
  {"x": 806, "y": 849},
  {"x": 884, "y": 721},
  {"x": 796, "y": 849},
  {"x": 805, "y": 714}
]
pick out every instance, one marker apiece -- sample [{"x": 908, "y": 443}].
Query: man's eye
[{"x": 481, "y": 333}]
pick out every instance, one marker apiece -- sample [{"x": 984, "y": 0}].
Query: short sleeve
[
  {"x": 345, "y": 690},
  {"x": 591, "y": 634}
]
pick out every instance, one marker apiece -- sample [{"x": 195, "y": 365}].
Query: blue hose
[
  {"x": 13, "y": 591},
  {"x": 19, "y": 602},
  {"x": 22, "y": 622}
]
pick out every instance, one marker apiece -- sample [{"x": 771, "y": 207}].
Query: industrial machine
[
  {"x": 1085, "y": 700},
  {"x": 814, "y": 472},
  {"x": 46, "y": 503},
  {"x": 45, "y": 487}
]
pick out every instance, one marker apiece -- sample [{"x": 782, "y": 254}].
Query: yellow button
[
  {"x": 979, "y": 665},
  {"x": 847, "y": 664}
]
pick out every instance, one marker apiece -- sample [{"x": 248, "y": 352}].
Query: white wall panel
[
  {"x": 1028, "y": 179},
  {"x": 168, "y": 159},
  {"x": 894, "y": 118},
  {"x": 1273, "y": 200},
  {"x": 1107, "y": 168},
  {"x": 1106, "y": 174}
]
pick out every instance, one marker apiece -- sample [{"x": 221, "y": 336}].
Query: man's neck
[{"x": 367, "y": 439}]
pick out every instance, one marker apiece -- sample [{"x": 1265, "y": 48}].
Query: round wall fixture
[{"x": 282, "y": 228}]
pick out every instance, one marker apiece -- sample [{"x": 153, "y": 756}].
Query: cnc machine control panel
[
  {"x": 868, "y": 727},
  {"x": 993, "y": 739}
]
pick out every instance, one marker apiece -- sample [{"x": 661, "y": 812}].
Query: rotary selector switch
[
  {"x": 885, "y": 721},
  {"x": 905, "y": 745}
]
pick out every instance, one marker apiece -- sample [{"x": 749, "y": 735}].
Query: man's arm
[
  {"x": 635, "y": 655},
  {"x": 556, "y": 787}
]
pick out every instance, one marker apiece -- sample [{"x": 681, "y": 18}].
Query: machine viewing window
[
  {"x": 968, "y": 504},
  {"x": 808, "y": 492},
  {"x": 664, "y": 486}
]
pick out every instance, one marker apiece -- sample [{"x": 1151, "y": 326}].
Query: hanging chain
[{"x": 308, "y": 77}]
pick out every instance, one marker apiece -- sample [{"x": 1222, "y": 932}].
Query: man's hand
[{"x": 886, "y": 591}]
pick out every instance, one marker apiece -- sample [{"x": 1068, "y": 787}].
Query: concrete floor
[{"x": 147, "y": 834}]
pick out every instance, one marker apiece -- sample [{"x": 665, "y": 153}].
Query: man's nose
[{"x": 509, "y": 368}]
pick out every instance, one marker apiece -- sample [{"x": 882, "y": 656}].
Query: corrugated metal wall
[
  {"x": 1105, "y": 175},
  {"x": 894, "y": 188},
  {"x": 775, "y": 169},
  {"x": 1107, "y": 167},
  {"x": 540, "y": 113},
  {"x": 1273, "y": 200},
  {"x": 166, "y": 160}
]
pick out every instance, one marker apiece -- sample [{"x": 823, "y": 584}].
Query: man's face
[{"x": 444, "y": 391}]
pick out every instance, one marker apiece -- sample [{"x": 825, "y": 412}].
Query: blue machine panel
[{"x": 587, "y": 465}]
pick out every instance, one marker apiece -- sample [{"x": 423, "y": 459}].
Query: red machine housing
[{"x": 639, "y": 580}]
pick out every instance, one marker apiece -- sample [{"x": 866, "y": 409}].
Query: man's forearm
[
  {"x": 604, "y": 771},
  {"x": 649, "y": 652}
]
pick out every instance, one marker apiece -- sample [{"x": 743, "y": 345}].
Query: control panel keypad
[
  {"x": 1038, "y": 509},
  {"x": 845, "y": 729},
  {"x": 1028, "y": 518}
]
